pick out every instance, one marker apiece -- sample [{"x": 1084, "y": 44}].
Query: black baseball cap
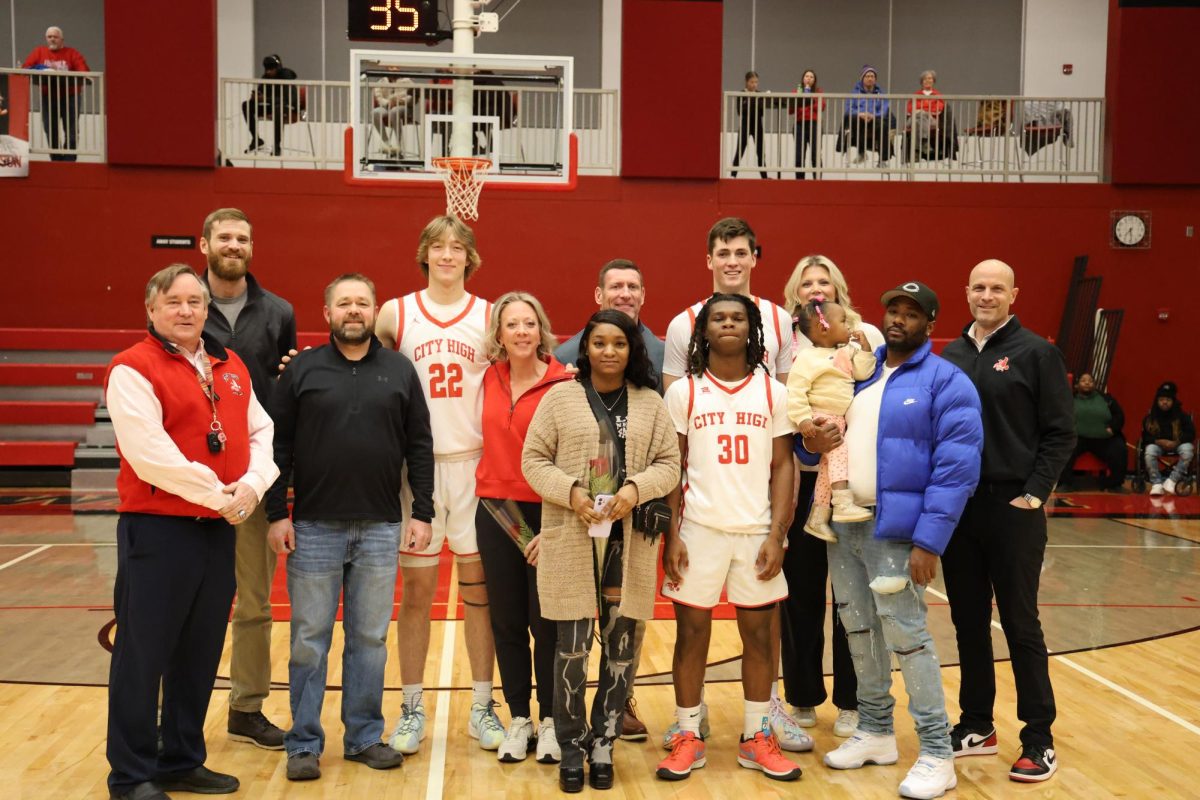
[
  {"x": 919, "y": 293},
  {"x": 272, "y": 62}
]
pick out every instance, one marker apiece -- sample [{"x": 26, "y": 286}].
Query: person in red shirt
[
  {"x": 60, "y": 95},
  {"x": 808, "y": 113}
]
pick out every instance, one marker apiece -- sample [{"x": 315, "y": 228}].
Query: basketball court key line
[
  {"x": 21, "y": 558},
  {"x": 441, "y": 724}
]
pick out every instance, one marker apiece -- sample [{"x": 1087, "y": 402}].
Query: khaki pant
[{"x": 250, "y": 663}]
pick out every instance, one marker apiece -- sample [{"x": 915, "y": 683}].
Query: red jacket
[
  {"x": 186, "y": 416},
  {"x": 504, "y": 425},
  {"x": 928, "y": 102},
  {"x": 806, "y": 106},
  {"x": 64, "y": 59}
]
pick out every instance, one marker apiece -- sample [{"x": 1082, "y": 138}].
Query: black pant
[
  {"x": 999, "y": 546},
  {"x": 60, "y": 108},
  {"x": 806, "y": 568},
  {"x": 252, "y": 109},
  {"x": 570, "y": 677},
  {"x": 173, "y": 591},
  {"x": 747, "y": 131},
  {"x": 866, "y": 134},
  {"x": 1110, "y": 450},
  {"x": 807, "y": 138},
  {"x": 516, "y": 613}
]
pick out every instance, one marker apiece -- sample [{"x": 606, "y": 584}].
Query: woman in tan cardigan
[{"x": 562, "y": 447}]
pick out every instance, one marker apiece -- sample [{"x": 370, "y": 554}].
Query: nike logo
[
  {"x": 910, "y": 401},
  {"x": 974, "y": 739}
]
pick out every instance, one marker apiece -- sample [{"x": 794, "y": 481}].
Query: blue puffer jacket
[{"x": 929, "y": 449}]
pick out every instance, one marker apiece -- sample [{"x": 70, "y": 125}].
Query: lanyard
[{"x": 216, "y": 431}]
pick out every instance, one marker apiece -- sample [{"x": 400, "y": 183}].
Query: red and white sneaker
[
  {"x": 1036, "y": 764},
  {"x": 966, "y": 742},
  {"x": 762, "y": 752},
  {"x": 687, "y": 754}
]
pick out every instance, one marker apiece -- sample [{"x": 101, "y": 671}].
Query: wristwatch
[{"x": 1033, "y": 501}]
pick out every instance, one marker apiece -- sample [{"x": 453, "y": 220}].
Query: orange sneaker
[
  {"x": 762, "y": 752},
  {"x": 687, "y": 754}
]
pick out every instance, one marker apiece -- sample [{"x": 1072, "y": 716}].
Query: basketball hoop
[{"x": 463, "y": 178}]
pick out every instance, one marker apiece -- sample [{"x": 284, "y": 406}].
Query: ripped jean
[
  {"x": 570, "y": 677},
  {"x": 879, "y": 624}
]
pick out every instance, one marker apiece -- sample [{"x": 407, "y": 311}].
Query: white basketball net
[{"x": 463, "y": 178}]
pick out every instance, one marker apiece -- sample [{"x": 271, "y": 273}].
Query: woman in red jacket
[
  {"x": 808, "y": 133},
  {"x": 519, "y": 345}
]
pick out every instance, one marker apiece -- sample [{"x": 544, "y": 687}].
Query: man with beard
[
  {"x": 261, "y": 328},
  {"x": 350, "y": 416}
]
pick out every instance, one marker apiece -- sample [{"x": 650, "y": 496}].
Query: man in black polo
[{"x": 1000, "y": 542}]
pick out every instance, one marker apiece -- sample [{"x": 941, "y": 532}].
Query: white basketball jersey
[
  {"x": 777, "y": 338},
  {"x": 445, "y": 343},
  {"x": 730, "y": 429}
]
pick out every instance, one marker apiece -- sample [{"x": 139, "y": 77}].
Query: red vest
[{"x": 186, "y": 417}]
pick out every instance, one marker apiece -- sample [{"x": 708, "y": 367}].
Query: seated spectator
[
  {"x": 393, "y": 106},
  {"x": 808, "y": 113},
  {"x": 926, "y": 112},
  {"x": 1098, "y": 423},
  {"x": 868, "y": 122},
  {"x": 1167, "y": 429},
  {"x": 270, "y": 101}
]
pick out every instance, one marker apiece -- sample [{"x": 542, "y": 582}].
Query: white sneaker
[
  {"x": 1156, "y": 490},
  {"x": 805, "y": 716},
  {"x": 515, "y": 746},
  {"x": 788, "y": 733},
  {"x": 548, "y": 751},
  {"x": 863, "y": 748},
  {"x": 410, "y": 730},
  {"x": 485, "y": 726},
  {"x": 1169, "y": 486},
  {"x": 846, "y": 724},
  {"x": 930, "y": 777},
  {"x": 674, "y": 729}
]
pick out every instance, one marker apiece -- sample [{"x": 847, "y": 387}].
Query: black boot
[
  {"x": 600, "y": 776},
  {"x": 570, "y": 779}
]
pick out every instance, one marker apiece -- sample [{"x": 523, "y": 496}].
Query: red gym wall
[{"x": 82, "y": 231}]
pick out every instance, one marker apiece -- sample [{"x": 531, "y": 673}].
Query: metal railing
[
  {"x": 855, "y": 136},
  {"x": 66, "y": 118},
  {"x": 523, "y": 128}
]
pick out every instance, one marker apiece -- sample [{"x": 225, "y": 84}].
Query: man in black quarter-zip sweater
[
  {"x": 351, "y": 416},
  {"x": 1000, "y": 542}
]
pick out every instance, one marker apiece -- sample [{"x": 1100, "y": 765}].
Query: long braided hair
[{"x": 756, "y": 349}]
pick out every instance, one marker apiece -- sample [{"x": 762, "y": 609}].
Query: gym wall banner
[{"x": 14, "y": 126}]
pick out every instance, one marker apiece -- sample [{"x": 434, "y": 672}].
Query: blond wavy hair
[
  {"x": 791, "y": 291},
  {"x": 493, "y": 350}
]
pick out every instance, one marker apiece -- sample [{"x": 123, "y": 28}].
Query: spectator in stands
[
  {"x": 868, "y": 122},
  {"x": 750, "y": 124},
  {"x": 271, "y": 101},
  {"x": 1167, "y": 429},
  {"x": 1098, "y": 423},
  {"x": 393, "y": 106},
  {"x": 195, "y": 461},
  {"x": 926, "y": 112},
  {"x": 60, "y": 95},
  {"x": 808, "y": 134}
]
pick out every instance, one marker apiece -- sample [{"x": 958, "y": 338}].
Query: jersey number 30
[
  {"x": 445, "y": 380},
  {"x": 734, "y": 449}
]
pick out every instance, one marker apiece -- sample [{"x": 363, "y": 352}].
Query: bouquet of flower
[
  {"x": 602, "y": 478},
  {"x": 510, "y": 519}
]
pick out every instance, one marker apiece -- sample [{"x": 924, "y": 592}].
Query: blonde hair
[
  {"x": 439, "y": 227},
  {"x": 493, "y": 350},
  {"x": 791, "y": 291}
]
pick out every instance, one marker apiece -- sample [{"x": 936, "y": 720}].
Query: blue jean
[
  {"x": 357, "y": 558},
  {"x": 1185, "y": 451},
  {"x": 878, "y": 625}
]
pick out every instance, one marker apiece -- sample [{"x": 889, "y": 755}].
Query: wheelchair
[{"x": 1166, "y": 462}]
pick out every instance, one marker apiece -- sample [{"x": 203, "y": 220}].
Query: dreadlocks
[{"x": 756, "y": 350}]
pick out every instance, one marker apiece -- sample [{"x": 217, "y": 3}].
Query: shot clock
[{"x": 393, "y": 21}]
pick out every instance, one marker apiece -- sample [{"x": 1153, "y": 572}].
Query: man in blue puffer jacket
[{"x": 915, "y": 441}]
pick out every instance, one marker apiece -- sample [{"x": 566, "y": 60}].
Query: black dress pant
[
  {"x": 807, "y": 138},
  {"x": 174, "y": 588},
  {"x": 516, "y": 614},
  {"x": 748, "y": 131},
  {"x": 802, "y": 624},
  {"x": 1000, "y": 547},
  {"x": 252, "y": 109}
]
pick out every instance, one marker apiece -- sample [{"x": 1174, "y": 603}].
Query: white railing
[
  {"x": 863, "y": 137},
  {"x": 314, "y": 114},
  {"x": 66, "y": 114}
]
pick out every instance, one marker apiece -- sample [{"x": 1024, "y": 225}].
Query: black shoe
[
  {"x": 1037, "y": 763},
  {"x": 143, "y": 791},
  {"x": 200, "y": 780},
  {"x": 303, "y": 767},
  {"x": 600, "y": 776},
  {"x": 258, "y": 143},
  {"x": 378, "y": 756},
  {"x": 255, "y": 728},
  {"x": 570, "y": 779}
]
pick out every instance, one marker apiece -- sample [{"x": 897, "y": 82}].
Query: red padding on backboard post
[{"x": 16, "y": 103}]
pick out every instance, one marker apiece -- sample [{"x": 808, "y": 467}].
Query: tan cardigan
[{"x": 562, "y": 438}]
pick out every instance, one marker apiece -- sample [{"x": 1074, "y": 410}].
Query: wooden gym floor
[{"x": 1120, "y": 605}]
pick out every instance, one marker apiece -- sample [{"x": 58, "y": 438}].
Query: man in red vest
[{"x": 196, "y": 458}]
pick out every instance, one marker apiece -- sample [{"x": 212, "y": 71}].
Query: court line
[
  {"x": 1134, "y": 696},
  {"x": 1127, "y": 546},
  {"x": 21, "y": 558},
  {"x": 59, "y": 544},
  {"x": 435, "y": 783}
]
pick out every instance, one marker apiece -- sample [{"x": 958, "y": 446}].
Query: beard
[
  {"x": 345, "y": 335},
  {"x": 228, "y": 269}
]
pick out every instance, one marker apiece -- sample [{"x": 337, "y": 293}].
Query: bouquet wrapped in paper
[
  {"x": 510, "y": 519},
  {"x": 602, "y": 480}
]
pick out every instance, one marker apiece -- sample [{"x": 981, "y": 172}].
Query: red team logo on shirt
[
  {"x": 234, "y": 386},
  {"x": 1001, "y": 365}
]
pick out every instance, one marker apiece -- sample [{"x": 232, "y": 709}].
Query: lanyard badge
[{"x": 216, "y": 434}]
